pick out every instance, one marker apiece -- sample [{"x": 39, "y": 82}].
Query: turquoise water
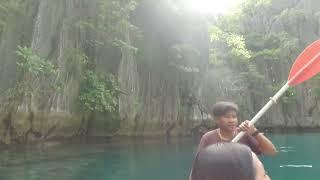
[{"x": 298, "y": 159}]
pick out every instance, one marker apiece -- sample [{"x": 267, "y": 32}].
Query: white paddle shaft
[{"x": 272, "y": 101}]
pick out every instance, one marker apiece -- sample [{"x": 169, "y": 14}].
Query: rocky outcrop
[
  {"x": 167, "y": 86},
  {"x": 155, "y": 94}
]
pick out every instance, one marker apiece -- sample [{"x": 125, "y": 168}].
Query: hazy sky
[{"x": 212, "y": 6}]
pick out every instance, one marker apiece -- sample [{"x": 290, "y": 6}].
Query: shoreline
[
  {"x": 286, "y": 130},
  {"x": 121, "y": 139}
]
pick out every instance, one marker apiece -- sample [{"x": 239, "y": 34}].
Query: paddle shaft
[{"x": 274, "y": 99}]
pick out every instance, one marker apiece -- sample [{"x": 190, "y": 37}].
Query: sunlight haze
[{"x": 213, "y": 6}]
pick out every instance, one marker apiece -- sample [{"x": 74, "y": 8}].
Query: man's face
[{"x": 228, "y": 122}]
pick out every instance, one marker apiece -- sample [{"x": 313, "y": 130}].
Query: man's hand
[
  {"x": 265, "y": 144},
  {"x": 249, "y": 129}
]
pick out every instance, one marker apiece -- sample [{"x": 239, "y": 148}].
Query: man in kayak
[{"x": 225, "y": 114}]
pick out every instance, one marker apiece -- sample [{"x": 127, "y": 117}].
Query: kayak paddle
[{"x": 306, "y": 66}]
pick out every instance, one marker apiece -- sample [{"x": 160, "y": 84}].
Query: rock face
[
  {"x": 174, "y": 57},
  {"x": 168, "y": 86},
  {"x": 156, "y": 93}
]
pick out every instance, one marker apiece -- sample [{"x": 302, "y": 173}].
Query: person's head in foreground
[{"x": 228, "y": 161}]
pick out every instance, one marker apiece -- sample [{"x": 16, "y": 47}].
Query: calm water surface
[{"x": 298, "y": 159}]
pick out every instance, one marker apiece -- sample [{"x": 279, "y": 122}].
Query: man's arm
[{"x": 265, "y": 144}]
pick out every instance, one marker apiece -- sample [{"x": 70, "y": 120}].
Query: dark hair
[
  {"x": 224, "y": 161},
  {"x": 223, "y": 107}
]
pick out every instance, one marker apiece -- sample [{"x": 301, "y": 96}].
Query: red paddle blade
[{"x": 306, "y": 65}]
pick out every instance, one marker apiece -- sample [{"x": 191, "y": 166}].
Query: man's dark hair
[
  {"x": 223, "y": 107},
  {"x": 224, "y": 161}
]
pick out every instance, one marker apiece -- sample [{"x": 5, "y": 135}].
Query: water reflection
[{"x": 144, "y": 160}]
